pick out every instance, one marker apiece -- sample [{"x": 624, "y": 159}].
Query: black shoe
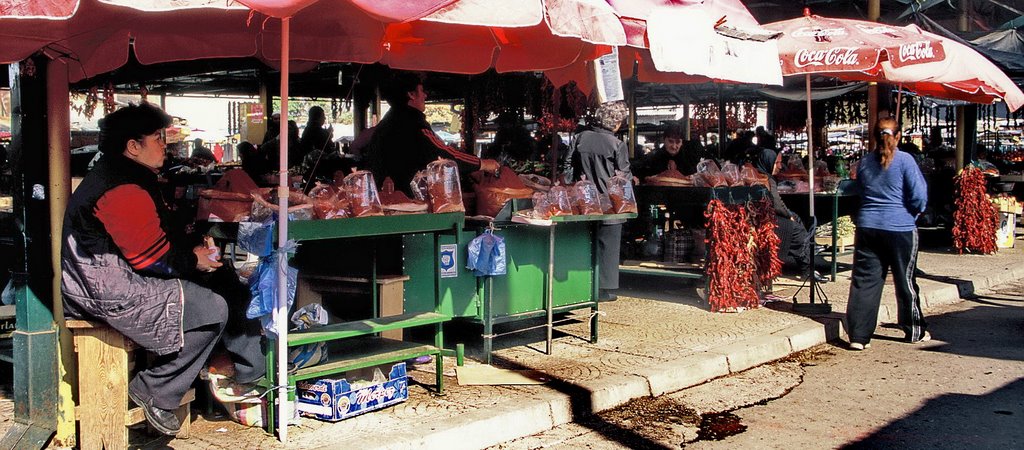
[
  {"x": 606, "y": 296},
  {"x": 163, "y": 420},
  {"x": 819, "y": 278}
]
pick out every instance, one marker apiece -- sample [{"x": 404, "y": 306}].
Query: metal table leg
[{"x": 549, "y": 302}]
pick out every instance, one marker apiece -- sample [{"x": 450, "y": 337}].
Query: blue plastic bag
[
  {"x": 263, "y": 288},
  {"x": 256, "y": 237},
  {"x": 487, "y": 255}
]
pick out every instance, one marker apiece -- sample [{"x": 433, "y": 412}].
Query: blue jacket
[{"x": 891, "y": 198}]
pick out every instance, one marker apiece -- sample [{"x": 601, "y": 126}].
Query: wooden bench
[{"x": 104, "y": 363}]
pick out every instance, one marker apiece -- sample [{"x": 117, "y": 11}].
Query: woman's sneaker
[
  {"x": 924, "y": 338},
  {"x": 859, "y": 347}
]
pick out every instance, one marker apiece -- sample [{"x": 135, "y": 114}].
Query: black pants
[
  {"x": 609, "y": 240},
  {"x": 876, "y": 251},
  {"x": 793, "y": 244},
  {"x": 242, "y": 337},
  {"x": 166, "y": 378}
]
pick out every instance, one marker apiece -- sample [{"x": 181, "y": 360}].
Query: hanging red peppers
[
  {"x": 769, "y": 266},
  {"x": 730, "y": 265},
  {"x": 976, "y": 217}
]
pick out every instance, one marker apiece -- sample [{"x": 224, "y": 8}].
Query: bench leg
[{"x": 102, "y": 389}]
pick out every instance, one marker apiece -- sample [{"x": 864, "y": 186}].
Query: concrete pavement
[{"x": 655, "y": 339}]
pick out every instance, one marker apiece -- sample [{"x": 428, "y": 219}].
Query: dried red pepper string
[
  {"x": 976, "y": 218},
  {"x": 769, "y": 266},
  {"x": 730, "y": 269}
]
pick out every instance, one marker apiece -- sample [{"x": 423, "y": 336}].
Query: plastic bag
[
  {"x": 752, "y": 177},
  {"x": 620, "y": 194},
  {"x": 709, "y": 175},
  {"x": 305, "y": 318},
  {"x": 263, "y": 289},
  {"x": 361, "y": 191},
  {"x": 541, "y": 205},
  {"x": 559, "y": 202},
  {"x": 444, "y": 186},
  {"x": 256, "y": 237},
  {"x": 420, "y": 191},
  {"x": 731, "y": 172},
  {"x": 587, "y": 198},
  {"x": 326, "y": 204},
  {"x": 486, "y": 255}
]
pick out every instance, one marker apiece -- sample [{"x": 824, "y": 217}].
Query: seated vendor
[
  {"x": 403, "y": 142},
  {"x": 124, "y": 263},
  {"x": 794, "y": 240},
  {"x": 671, "y": 150}
]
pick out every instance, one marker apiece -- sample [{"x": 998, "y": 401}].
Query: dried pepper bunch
[
  {"x": 766, "y": 258},
  {"x": 976, "y": 217},
  {"x": 730, "y": 267}
]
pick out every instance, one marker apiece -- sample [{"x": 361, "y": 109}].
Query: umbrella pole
[
  {"x": 281, "y": 306},
  {"x": 811, "y": 307},
  {"x": 810, "y": 181}
]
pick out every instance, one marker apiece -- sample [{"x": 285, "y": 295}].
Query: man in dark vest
[{"x": 127, "y": 264}]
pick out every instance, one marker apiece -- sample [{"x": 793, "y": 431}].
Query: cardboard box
[{"x": 335, "y": 399}]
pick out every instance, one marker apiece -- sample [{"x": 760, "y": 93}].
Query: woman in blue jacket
[{"x": 893, "y": 193}]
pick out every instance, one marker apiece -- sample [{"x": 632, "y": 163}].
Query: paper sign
[
  {"x": 448, "y": 263},
  {"x": 609, "y": 81}
]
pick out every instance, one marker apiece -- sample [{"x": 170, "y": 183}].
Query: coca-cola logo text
[
  {"x": 380, "y": 393},
  {"x": 877, "y": 29},
  {"x": 839, "y": 56},
  {"x": 917, "y": 51}
]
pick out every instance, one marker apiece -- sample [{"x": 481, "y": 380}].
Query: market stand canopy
[
  {"x": 467, "y": 36},
  {"x": 916, "y": 59},
  {"x": 686, "y": 42}
]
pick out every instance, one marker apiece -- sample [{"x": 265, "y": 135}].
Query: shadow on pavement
[
  {"x": 991, "y": 420},
  {"x": 581, "y": 406},
  {"x": 964, "y": 287}
]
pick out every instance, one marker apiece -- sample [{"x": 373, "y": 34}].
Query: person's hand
[
  {"x": 207, "y": 259},
  {"x": 489, "y": 165},
  {"x": 636, "y": 181}
]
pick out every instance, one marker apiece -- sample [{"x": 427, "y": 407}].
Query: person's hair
[
  {"x": 610, "y": 115},
  {"x": 133, "y": 122},
  {"x": 317, "y": 113},
  {"x": 396, "y": 88},
  {"x": 887, "y": 131},
  {"x": 674, "y": 131}
]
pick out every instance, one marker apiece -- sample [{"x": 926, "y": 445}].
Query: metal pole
[
  {"x": 549, "y": 304},
  {"x": 810, "y": 179},
  {"x": 281, "y": 308}
]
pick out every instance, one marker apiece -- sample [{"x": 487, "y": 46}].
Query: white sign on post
[
  {"x": 448, "y": 263},
  {"x": 608, "y": 78}
]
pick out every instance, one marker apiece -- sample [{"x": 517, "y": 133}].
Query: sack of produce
[
  {"x": 731, "y": 172},
  {"x": 418, "y": 185},
  {"x": 536, "y": 182},
  {"x": 670, "y": 177},
  {"x": 620, "y": 193},
  {"x": 264, "y": 205},
  {"x": 752, "y": 177},
  {"x": 558, "y": 201},
  {"x": 586, "y": 198},
  {"x": 444, "y": 186},
  {"x": 709, "y": 175},
  {"x": 326, "y": 204},
  {"x": 362, "y": 194},
  {"x": 541, "y": 205},
  {"x": 493, "y": 190}
]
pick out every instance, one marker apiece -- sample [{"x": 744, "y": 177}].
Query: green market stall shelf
[
  {"x": 363, "y": 347},
  {"x": 551, "y": 268}
]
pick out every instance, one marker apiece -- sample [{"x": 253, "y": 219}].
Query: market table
[
  {"x": 828, "y": 207},
  {"x": 369, "y": 348},
  {"x": 551, "y": 268}
]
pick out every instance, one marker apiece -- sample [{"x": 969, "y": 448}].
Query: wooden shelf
[
  {"x": 363, "y": 352},
  {"x": 364, "y": 327}
]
